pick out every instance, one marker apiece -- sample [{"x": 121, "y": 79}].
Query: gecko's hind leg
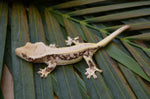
[
  {"x": 71, "y": 41},
  {"x": 92, "y": 67},
  {"x": 44, "y": 72}
]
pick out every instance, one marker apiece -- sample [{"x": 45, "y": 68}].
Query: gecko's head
[{"x": 26, "y": 51}]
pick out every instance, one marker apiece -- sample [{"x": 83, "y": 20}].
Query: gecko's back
[
  {"x": 71, "y": 49},
  {"x": 39, "y": 49}
]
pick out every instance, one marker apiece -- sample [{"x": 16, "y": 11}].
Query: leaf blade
[
  {"x": 145, "y": 37},
  {"x": 135, "y": 83},
  {"x": 19, "y": 36},
  {"x": 133, "y": 26},
  {"x": 108, "y": 8},
  {"x": 75, "y": 3},
  {"x": 129, "y": 62},
  {"x": 120, "y": 16},
  {"x": 139, "y": 58},
  {"x": 3, "y": 30}
]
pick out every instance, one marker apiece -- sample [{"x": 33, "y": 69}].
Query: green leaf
[
  {"x": 75, "y": 3},
  {"x": 72, "y": 29},
  {"x": 108, "y": 8},
  {"x": 3, "y": 30},
  {"x": 136, "y": 83},
  {"x": 83, "y": 89},
  {"x": 145, "y": 36},
  {"x": 133, "y": 26},
  {"x": 144, "y": 63},
  {"x": 123, "y": 74},
  {"x": 121, "y": 15},
  {"x": 22, "y": 70},
  {"x": 127, "y": 61},
  {"x": 147, "y": 51}
]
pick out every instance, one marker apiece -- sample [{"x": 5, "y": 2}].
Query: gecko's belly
[{"x": 68, "y": 61}]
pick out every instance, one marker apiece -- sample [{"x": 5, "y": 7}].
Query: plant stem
[
  {"x": 134, "y": 44},
  {"x": 103, "y": 31}
]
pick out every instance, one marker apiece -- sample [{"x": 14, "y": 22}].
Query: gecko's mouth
[{"x": 20, "y": 52}]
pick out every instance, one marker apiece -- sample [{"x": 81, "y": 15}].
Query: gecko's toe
[
  {"x": 91, "y": 72},
  {"x": 45, "y": 76},
  {"x": 69, "y": 41},
  {"x": 89, "y": 76},
  {"x": 76, "y": 38},
  {"x": 42, "y": 76},
  {"x": 39, "y": 72},
  {"x": 40, "y": 69},
  {"x": 86, "y": 73},
  {"x": 98, "y": 70},
  {"x": 94, "y": 76},
  {"x": 43, "y": 73},
  {"x": 52, "y": 46}
]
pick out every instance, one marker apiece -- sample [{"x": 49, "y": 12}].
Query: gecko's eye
[{"x": 23, "y": 55}]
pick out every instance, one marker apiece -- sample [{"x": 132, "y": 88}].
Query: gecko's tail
[{"x": 106, "y": 40}]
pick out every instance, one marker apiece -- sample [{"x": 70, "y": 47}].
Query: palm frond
[
  {"x": 144, "y": 63},
  {"x": 108, "y": 8},
  {"x": 125, "y": 61}
]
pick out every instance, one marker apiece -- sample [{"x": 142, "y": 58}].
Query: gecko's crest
[{"x": 30, "y": 50}]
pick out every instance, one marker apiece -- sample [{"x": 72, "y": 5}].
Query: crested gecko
[{"x": 53, "y": 56}]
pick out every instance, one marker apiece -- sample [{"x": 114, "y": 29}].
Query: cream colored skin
[{"x": 52, "y": 56}]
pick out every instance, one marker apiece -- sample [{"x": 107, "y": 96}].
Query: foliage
[{"x": 125, "y": 61}]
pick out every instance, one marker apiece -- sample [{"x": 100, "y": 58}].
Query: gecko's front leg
[
  {"x": 53, "y": 46},
  {"x": 71, "y": 41},
  {"x": 51, "y": 66},
  {"x": 92, "y": 67}
]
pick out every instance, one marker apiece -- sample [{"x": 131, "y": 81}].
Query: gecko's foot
[
  {"x": 70, "y": 40},
  {"x": 91, "y": 72},
  {"x": 44, "y": 72},
  {"x": 53, "y": 46}
]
